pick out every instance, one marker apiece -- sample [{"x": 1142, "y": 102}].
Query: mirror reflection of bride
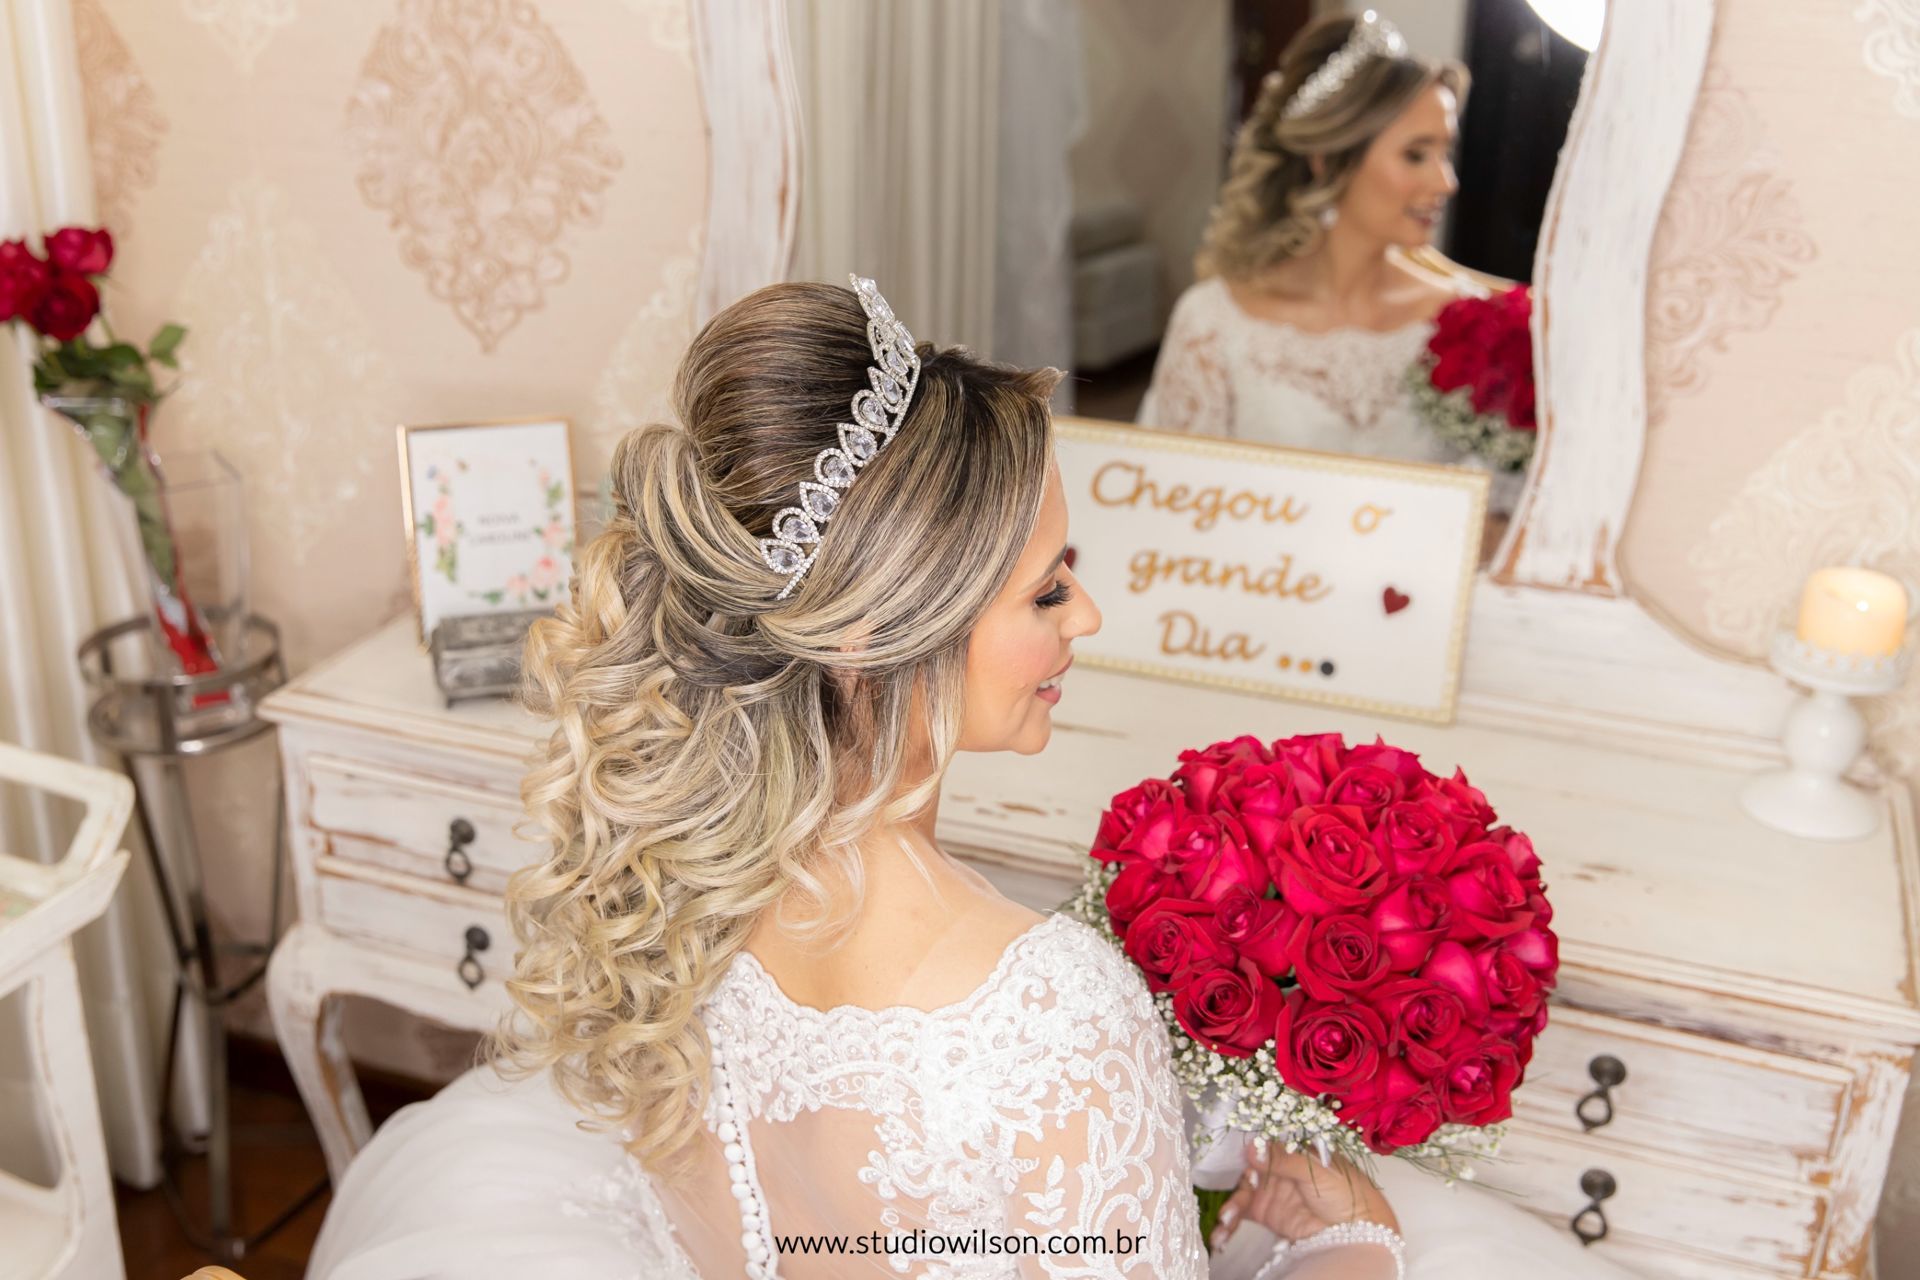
[{"x": 1318, "y": 284}]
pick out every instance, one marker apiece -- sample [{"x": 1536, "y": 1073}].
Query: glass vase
[{"x": 189, "y": 524}]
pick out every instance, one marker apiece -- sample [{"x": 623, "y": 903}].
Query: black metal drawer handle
[
  {"x": 469, "y": 968},
  {"x": 1590, "y": 1224},
  {"x": 460, "y": 834},
  {"x": 1596, "y": 1109}
]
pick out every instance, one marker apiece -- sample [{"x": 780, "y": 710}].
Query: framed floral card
[{"x": 489, "y": 516}]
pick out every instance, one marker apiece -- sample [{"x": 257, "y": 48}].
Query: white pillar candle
[{"x": 1854, "y": 611}]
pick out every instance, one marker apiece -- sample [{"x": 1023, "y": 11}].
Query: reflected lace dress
[
  {"x": 1040, "y": 1105},
  {"x": 1224, "y": 372}
]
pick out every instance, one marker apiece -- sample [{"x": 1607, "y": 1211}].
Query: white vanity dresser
[{"x": 1758, "y": 990}]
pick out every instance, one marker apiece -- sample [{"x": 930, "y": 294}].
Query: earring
[{"x": 1328, "y": 216}]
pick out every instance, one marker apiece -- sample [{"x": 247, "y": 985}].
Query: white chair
[{"x": 69, "y": 1229}]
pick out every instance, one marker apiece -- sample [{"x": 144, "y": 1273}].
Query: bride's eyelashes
[{"x": 1059, "y": 595}]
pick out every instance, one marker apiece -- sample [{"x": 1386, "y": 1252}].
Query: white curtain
[
  {"x": 1042, "y": 112},
  {"x": 62, "y": 574},
  {"x": 934, "y": 159},
  {"x": 900, "y": 109}
]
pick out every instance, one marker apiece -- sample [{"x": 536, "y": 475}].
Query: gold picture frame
[{"x": 494, "y": 448}]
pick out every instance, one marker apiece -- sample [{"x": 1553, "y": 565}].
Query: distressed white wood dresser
[{"x": 1753, "y": 994}]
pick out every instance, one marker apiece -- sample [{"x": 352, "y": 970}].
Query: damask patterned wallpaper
[
  {"x": 386, "y": 212},
  {"x": 1784, "y": 355}
]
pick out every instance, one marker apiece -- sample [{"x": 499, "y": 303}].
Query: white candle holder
[{"x": 1823, "y": 736}]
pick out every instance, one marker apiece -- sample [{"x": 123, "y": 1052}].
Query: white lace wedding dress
[
  {"x": 1222, "y": 371},
  {"x": 1040, "y": 1105}
]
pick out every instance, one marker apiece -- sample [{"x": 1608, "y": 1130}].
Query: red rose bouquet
[
  {"x": 1474, "y": 383},
  {"x": 106, "y": 389},
  {"x": 1349, "y": 951}
]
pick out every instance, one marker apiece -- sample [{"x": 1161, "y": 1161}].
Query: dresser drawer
[
  {"x": 1688, "y": 1095},
  {"x": 425, "y": 920},
  {"x": 421, "y": 825},
  {"x": 1661, "y": 1206}
]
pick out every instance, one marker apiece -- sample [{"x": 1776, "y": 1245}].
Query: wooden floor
[{"x": 275, "y": 1160}]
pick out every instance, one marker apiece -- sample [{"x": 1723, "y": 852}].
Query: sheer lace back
[{"x": 1039, "y": 1105}]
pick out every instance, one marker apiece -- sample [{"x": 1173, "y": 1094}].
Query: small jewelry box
[{"x": 477, "y": 655}]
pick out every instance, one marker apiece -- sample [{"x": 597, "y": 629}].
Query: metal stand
[{"x": 163, "y": 720}]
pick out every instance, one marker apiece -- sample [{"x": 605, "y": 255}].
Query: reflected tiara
[
  {"x": 877, "y": 413},
  {"x": 1372, "y": 37}
]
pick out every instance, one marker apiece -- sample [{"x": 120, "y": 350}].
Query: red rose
[
  {"x": 23, "y": 279},
  {"x": 1537, "y": 948},
  {"x": 1414, "y": 838},
  {"x": 1488, "y": 899},
  {"x": 1485, "y": 345},
  {"x": 1411, "y": 920},
  {"x": 1341, "y": 959},
  {"x": 66, "y": 307},
  {"x": 1263, "y": 796},
  {"x": 1452, "y": 966},
  {"x": 1209, "y": 854},
  {"x": 1202, "y": 772},
  {"x": 1151, "y": 839},
  {"x": 1460, "y": 803},
  {"x": 1327, "y": 1048},
  {"x": 1366, "y": 787},
  {"x": 1519, "y": 851},
  {"x": 1327, "y": 863},
  {"x": 1263, "y": 930},
  {"x": 1514, "y": 995},
  {"x": 1398, "y": 761},
  {"x": 1476, "y": 1086},
  {"x": 1126, "y": 810},
  {"x": 1394, "y": 1109},
  {"x": 1137, "y": 887},
  {"x": 1315, "y": 758},
  {"x": 78, "y": 249},
  {"x": 1230, "y": 1011},
  {"x": 1424, "y": 1022},
  {"x": 1171, "y": 938}
]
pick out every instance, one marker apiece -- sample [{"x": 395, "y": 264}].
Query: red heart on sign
[{"x": 1394, "y": 601}]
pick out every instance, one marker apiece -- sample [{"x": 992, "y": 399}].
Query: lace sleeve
[
  {"x": 1109, "y": 1164},
  {"x": 1191, "y": 388}
]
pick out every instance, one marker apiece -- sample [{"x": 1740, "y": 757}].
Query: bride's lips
[{"x": 1049, "y": 690}]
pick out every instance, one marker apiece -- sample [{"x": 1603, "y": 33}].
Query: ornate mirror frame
[{"x": 1555, "y": 637}]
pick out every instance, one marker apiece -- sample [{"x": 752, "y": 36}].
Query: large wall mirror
[
  {"x": 1039, "y": 179},
  {"x": 1163, "y": 199}
]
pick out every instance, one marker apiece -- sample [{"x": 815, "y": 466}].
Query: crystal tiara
[
  {"x": 1372, "y": 37},
  {"x": 877, "y": 414}
]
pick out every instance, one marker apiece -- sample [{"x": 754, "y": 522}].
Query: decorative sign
[
  {"x": 1315, "y": 576},
  {"x": 489, "y": 516}
]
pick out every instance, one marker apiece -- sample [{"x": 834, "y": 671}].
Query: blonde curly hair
[
  {"x": 1270, "y": 205},
  {"x": 717, "y": 751}
]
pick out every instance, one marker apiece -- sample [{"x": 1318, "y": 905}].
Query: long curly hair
[
  {"x": 1270, "y": 205},
  {"x": 717, "y": 751}
]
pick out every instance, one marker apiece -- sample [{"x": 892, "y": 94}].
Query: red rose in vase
[{"x": 106, "y": 388}]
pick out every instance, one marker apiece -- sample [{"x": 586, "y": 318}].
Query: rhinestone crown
[
  {"x": 1373, "y": 37},
  {"x": 877, "y": 413}
]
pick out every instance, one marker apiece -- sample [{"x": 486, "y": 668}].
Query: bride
[
  {"x": 1319, "y": 286},
  {"x": 764, "y": 1025}
]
